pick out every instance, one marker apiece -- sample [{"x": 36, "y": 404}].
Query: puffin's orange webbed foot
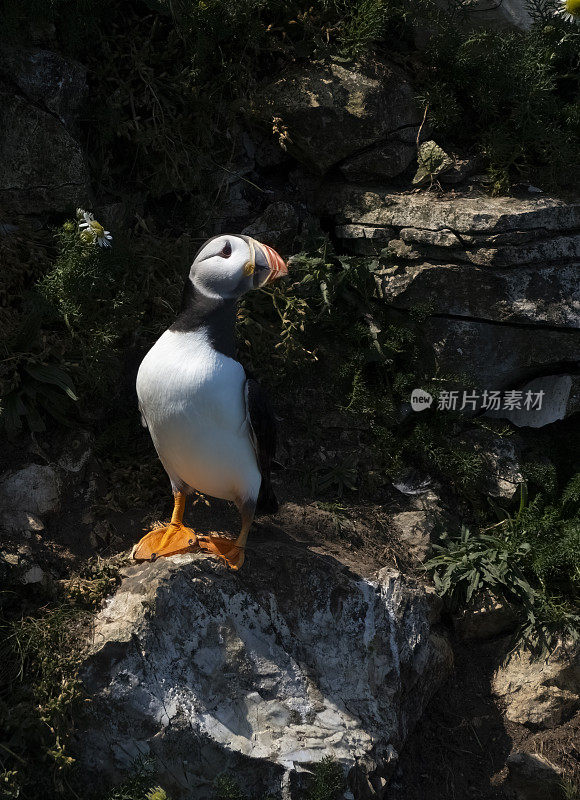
[
  {"x": 170, "y": 540},
  {"x": 223, "y": 548}
]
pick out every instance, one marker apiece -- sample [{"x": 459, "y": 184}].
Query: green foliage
[
  {"x": 74, "y": 18},
  {"x": 327, "y": 332},
  {"x": 71, "y": 323},
  {"x": 167, "y": 81},
  {"x": 336, "y": 478},
  {"x": 468, "y": 566},
  {"x": 515, "y": 94},
  {"x": 97, "y": 579},
  {"x": 331, "y": 298},
  {"x": 452, "y": 460},
  {"x": 532, "y": 560},
  {"x": 328, "y": 780},
  {"x": 93, "y": 290},
  {"x": 41, "y": 633},
  {"x": 35, "y": 384},
  {"x": 37, "y": 388},
  {"x": 75, "y": 320},
  {"x": 326, "y": 783},
  {"x": 169, "y": 76},
  {"x": 227, "y": 788},
  {"x": 571, "y": 496},
  {"x": 150, "y": 131},
  {"x": 553, "y": 531},
  {"x": 139, "y": 785}
]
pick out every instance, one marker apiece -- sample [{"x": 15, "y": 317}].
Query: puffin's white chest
[{"x": 192, "y": 398}]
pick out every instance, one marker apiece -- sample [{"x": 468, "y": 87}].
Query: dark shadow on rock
[
  {"x": 261, "y": 673},
  {"x": 459, "y": 749}
]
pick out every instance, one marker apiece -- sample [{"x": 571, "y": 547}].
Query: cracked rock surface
[
  {"x": 500, "y": 276},
  {"x": 261, "y": 673},
  {"x": 364, "y": 119},
  {"x": 42, "y": 164},
  {"x": 540, "y": 693}
]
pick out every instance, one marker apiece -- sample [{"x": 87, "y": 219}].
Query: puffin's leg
[
  {"x": 169, "y": 540},
  {"x": 231, "y": 551}
]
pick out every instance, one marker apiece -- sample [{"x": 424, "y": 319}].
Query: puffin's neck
[{"x": 216, "y": 317}]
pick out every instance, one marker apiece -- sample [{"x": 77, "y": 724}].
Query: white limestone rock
[
  {"x": 540, "y": 693},
  {"x": 27, "y": 494},
  {"x": 261, "y": 673}
]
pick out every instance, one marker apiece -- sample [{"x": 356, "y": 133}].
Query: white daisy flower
[
  {"x": 93, "y": 230},
  {"x": 569, "y": 10}
]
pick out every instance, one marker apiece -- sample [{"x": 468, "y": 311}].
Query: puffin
[{"x": 211, "y": 422}]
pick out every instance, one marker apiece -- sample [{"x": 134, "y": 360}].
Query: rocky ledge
[
  {"x": 500, "y": 278},
  {"x": 259, "y": 674}
]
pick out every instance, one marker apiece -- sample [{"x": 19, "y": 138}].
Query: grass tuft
[{"x": 39, "y": 685}]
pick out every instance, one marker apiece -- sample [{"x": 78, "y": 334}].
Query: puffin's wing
[{"x": 263, "y": 425}]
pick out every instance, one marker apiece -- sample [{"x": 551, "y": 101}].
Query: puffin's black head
[{"x": 229, "y": 265}]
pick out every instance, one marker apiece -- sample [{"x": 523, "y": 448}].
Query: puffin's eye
[{"x": 226, "y": 250}]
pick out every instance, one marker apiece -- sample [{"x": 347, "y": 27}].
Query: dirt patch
[
  {"x": 460, "y": 747},
  {"x": 356, "y": 533}
]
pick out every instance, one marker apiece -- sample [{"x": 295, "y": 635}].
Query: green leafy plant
[
  {"x": 140, "y": 785},
  {"x": 339, "y": 478},
  {"x": 515, "y": 93},
  {"x": 326, "y": 783},
  {"x": 328, "y": 780},
  {"x": 531, "y": 560},
  {"x": 466, "y": 567},
  {"x": 169, "y": 78},
  {"x": 92, "y": 291},
  {"x": 227, "y": 788}
]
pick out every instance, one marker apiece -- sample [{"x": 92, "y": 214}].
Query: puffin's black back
[{"x": 263, "y": 422}]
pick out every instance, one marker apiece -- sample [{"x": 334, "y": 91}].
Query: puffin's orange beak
[{"x": 276, "y": 264}]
